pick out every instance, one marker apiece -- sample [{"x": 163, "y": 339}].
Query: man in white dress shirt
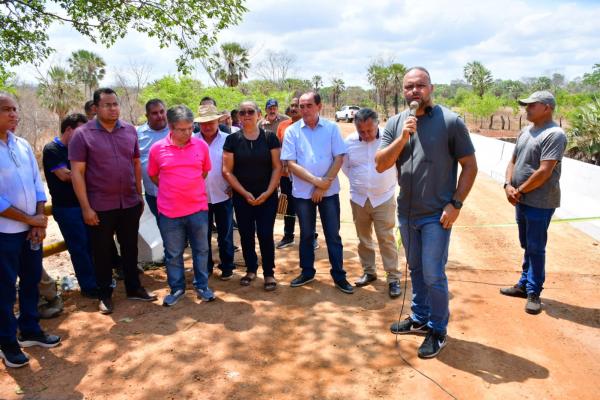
[{"x": 372, "y": 201}]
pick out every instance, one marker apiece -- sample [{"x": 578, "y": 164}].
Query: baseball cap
[
  {"x": 271, "y": 103},
  {"x": 541, "y": 96}
]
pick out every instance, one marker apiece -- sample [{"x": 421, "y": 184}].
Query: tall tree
[
  {"x": 58, "y": 93},
  {"x": 275, "y": 67},
  {"x": 229, "y": 64},
  {"x": 396, "y": 74},
  {"x": 88, "y": 68},
  {"x": 379, "y": 77},
  {"x": 337, "y": 88},
  {"x": 593, "y": 78},
  {"x": 317, "y": 82},
  {"x": 478, "y": 76},
  {"x": 190, "y": 25}
]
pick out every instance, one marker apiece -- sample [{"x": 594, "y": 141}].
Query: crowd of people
[{"x": 193, "y": 171}]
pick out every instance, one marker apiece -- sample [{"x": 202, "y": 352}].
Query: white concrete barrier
[
  {"x": 150, "y": 244},
  {"x": 579, "y": 182}
]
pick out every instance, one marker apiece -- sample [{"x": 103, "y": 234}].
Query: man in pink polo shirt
[{"x": 178, "y": 165}]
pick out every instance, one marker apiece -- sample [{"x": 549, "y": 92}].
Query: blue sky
[{"x": 513, "y": 38}]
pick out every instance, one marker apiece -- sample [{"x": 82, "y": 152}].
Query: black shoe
[
  {"x": 39, "y": 339},
  {"x": 90, "y": 294},
  {"x": 432, "y": 345},
  {"x": 394, "y": 290},
  {"x": 226, "y": 275},
  {"x": 142, "y": 295},
  {"x": 409, "y": 326},
  {"x": 301, "y": 280},
  {"x": 13, "y": 356},
  {"x": 365, "y": 280},
  {"x": 534, "y": 304},
  {"x": 514, "y": 291},
  {"x": 344, "y": 286},
  {"x": 286, "y": 241},
  {"x": 105, "y": 306}
]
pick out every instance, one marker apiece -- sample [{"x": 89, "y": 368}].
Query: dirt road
[{"x": 315, "y": 342}]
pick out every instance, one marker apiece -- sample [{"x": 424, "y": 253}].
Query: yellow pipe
[{"x": 54, "y": 248}]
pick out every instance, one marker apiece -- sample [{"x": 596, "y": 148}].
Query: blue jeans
[
  {"x": 425, "y": 244},
  {"x": 533, "y": 225},
  {"x": 76, "y": 235},
  {"x": 259, "y": 221},
  {"x": 329, "y": 210},
  {"x": 151, "y": 200},
  {"x": 17, "y": 259},
  {"x": 222, "y": 214},
  {"x": 174, "y": 232}
]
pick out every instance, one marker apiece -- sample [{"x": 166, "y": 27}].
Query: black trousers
[{"x": 123, "y": 222}]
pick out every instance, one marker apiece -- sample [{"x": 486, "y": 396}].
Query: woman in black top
[{"x": 252, "y": 167}]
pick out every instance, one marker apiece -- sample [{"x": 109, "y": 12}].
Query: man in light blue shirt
[
  {"x": 22, "y": 230},
  {"x": 151, "y": 132},
  {"x": 314, "y": 149}
]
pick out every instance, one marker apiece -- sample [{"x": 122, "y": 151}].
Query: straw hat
[{"x": 207, "y": 113}]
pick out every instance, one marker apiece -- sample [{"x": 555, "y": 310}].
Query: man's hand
[
  {"x": 323, "y": 183},
  {"x": 449, "y": 215},
  {"x": 229, "y": 192},
  {"x": 261, "y": 199},
  {"x": 317, "y": 195},
  {"x": 409, "y": 127},
  {"x": 512, "y": 195},
  {"x": 36, "y": 234},
  {"x": 38, "y": 220},
  {"x": 90, "y": 217},
  {"x": 249, "y": 197}
]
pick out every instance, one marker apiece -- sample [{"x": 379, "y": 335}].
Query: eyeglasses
[
  {"x": 14, "y": 157},
  {"x": 250, "y": 111}
]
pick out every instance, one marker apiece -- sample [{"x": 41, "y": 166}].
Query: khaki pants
[
  {"x": 47, "y": 286},
  {"x": 383, "y": 218}
]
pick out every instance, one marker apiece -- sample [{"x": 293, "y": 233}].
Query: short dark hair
[
  {"x": 71, "y": 121},
  {"x": 153, "y": 102},
  {"x": 422, "y": 69},
  {"x": 101, "y": 91},
  {"x": 88, "y": 105},
  {"x": 364, "y": 114},
  {"x": 234, "y": 112},
  {"x": 208, "y": 98},
  {"x": 316, "y": 96}
]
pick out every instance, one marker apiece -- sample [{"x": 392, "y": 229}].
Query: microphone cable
[{"x": 407, "y": 253}]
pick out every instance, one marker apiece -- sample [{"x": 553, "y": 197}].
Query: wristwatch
[
  {"x": 456, "y": 204},
  {"x": 505, "y": 185}
]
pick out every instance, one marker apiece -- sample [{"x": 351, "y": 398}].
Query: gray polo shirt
[
  {"x": 428, "y": 181},
  {"x": 533, "y": 146}
]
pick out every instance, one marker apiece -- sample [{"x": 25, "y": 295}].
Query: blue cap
[{"x": 271, "y": 103}]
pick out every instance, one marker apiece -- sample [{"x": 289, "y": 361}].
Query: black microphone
[{"x": 414, "y": 106}]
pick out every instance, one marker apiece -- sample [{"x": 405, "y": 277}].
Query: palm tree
[
  {"x": 396, "y": 74},
  {"x": 317, "y": 83},
  {"x": 478, "y": 76},
  {"x": 379, "y": 76},
  {"x": 230, "y": 64},
  {"x": 87, "y": 68},
  {"x": 337, "y": 87},
  {"x": 58, "y": 93}
]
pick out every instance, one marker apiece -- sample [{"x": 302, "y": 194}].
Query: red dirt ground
[{"x": 315, "y": 342}]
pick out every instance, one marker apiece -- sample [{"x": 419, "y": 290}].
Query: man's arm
[
  {"x": 466, "y": 179},
  {"x": 137, "y": 170},
  {"x": 64, "y": 174},
  {"x": 512, "y": 195},
  {"x": 386, "y": 158},
  {"x": 39, "y": 219},
  {"x": 38, "y": 233},
  {"x": 539, "y": 177},
  {"x": 79, "y": 187}
]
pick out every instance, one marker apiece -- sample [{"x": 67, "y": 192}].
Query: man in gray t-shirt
[
  {"x": 532, "y": 186},
  {"x": 426, "y": 148}
]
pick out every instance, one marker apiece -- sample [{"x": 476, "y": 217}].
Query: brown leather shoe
[{"x": 514, "y": 291}]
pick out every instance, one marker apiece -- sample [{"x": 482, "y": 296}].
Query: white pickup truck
[{"x": 346, "y": 113}]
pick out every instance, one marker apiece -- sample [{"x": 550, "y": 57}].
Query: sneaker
[
  {"x": 205, "y": 294},
  {"x": 226, "y": 275},
  {"x": 394, "y": 289},
  {"x": 172, "y": 298},
  {"x": 534, "y": 304},
  {"x": 514, "y": 291},
  {"x": 432, "y": 345},
  {"x": 38, "y": 339},
  {"x": 301, "y": 280},
  {"x": 13, "y": 356},
  {"x": 51, "y": 309},
  {"x": 142, "y": 295},
  {"x": 407, "y": 326},
  {"x": 286, "y": 241},
  {"x": 344, "y": 286},
  {"x": 105, "y": 306}
]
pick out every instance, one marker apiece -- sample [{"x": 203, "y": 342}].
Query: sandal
[
  {"x": 246, "y": 280},
  {"x": 270, "y": 286}
]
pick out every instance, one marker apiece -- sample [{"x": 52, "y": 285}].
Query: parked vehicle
[{"x": 346, "y": 113}]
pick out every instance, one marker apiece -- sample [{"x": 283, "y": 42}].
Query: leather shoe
[
  {"x": 105, "y": 306},
  {"x": 394, "y": 290},
  {"x": 365, "y": 280}
]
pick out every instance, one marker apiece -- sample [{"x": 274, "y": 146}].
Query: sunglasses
[{"x": 242, "y": 113}]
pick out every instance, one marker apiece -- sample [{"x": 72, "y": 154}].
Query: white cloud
[{"x": 512, "y": 38}]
